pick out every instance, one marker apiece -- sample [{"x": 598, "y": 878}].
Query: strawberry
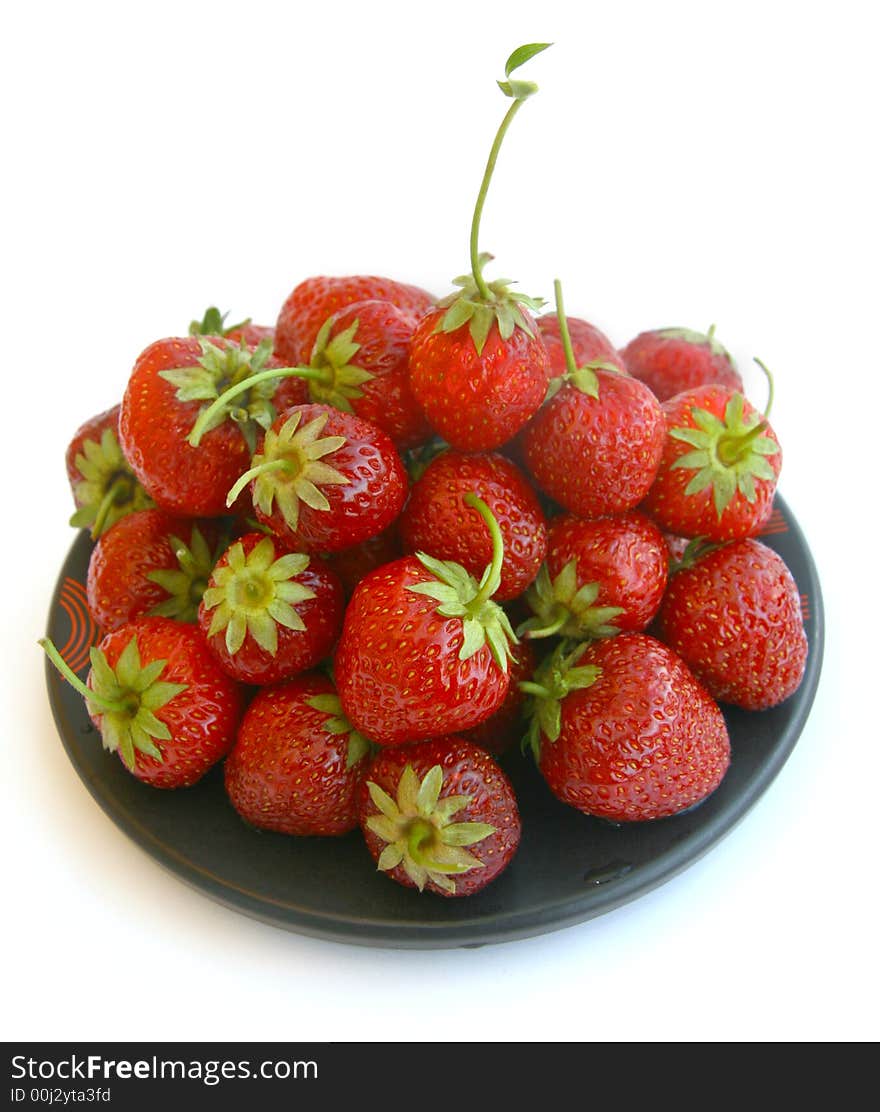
[
  {"x": 361, "y": 363},
  {"x": 325, "y": 480},
  {"x": 310, "y": 304},
  {"x": 297, "y": 764},
  {"x": 595, "y": 446},
  {"x": 733, "y": 614},
  {"x": 186, "y": 457},
  {"x": 159, "y": 699},
  {"x": 601, "y": 577},
  {"x": 424, "y": 650},
  {"x": 588, "y": 344},
  {"x": 670, "y": 360},
  {"x": 719, "y": 468},
  {"x": 437, "y": 520},
  {"x": 150, "y": 563},
  {"x": 439, "y": 816},
  {"x": 269, "y": 613},
  {"x": 478, "y": 366},
  {"x": 213, "y": 323},
  {"x": 103, "y": 485},
  {"x": 504, "y": 728},
  {"x": 621, "y": 729}
]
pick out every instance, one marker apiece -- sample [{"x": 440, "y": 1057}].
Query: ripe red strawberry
[
  {"x": 733, "y": 614},
  {"x": 325, "y": 480},
  {"x": 622, "y": 729},
  {"x": 438, "y": 521},
  {"x": 150, "y": 563},
  {"x": 595, "y": 446},
  {"x": 360, "y": 364},
  {"x": 269, "y": 613},
  {"x": 314, "y": 300},
  {"x": 173, "y": 382},
  {"x": 601, "y": 577},
  {"x": 424, "y": 651},
  {"x": 160, "y": 700},
  {"x": 103, "y": 485},
  {"x": 439, "y": 816},
  {"x": 297, "y": 764},
  {"x": 721, "y": 461},
  {"x": 478, "y": 365},
  {"x": 589, "y": 345},
  {"x": 213, "y": 323},
  {"x": 504, "y": 728},
  {"x": 670, "y": 360}
]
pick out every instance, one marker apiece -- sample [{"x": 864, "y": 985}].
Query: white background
[{"x": 684, "y": 163}]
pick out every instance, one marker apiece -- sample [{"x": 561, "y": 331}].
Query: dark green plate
[{"x": 569, "y": 868}]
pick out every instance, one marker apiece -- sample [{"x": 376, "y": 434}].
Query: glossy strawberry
[
  {"x": 424, "y": 650},
  {"x": 310, "y": 304},
  {"x": 360, "y": 364},
  {"x": 589, "y": 345},
  {"x": 478, "y": 365},
  {"x": 324, "y": 480},
  {"x": 269, "y": 613},
  {"x": 439, "y": 816},
  {"x": 151, "y": 562},
  {"x": 601, "y": 577},
  {"x": 186, "y": 459},
  {"x": 103, "y": 485},
  {"x": 297, "y": 764},
  {"x": 670, "y": 360},
  {"x": 719, "y": 468},
  {"x": 160, "y": 700},
  {"x": 733, "y": 614},
  {"x": 622, "y": 729},
  {"x": 438, "y": 521},
  {"x": 595, "y": 445}
]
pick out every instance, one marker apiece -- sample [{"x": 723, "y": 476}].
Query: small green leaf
[{"x": 522, "y": 54}]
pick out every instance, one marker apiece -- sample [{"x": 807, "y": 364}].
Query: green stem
[
  {"x": 75, "y": 682},
  {"x": 766, "y": 371},
  {"x": 564, "y": 335},
  {"x": 220, "y": 403},
  {"x": 492, "y": 580},
  {"x": 536, "y": 689},
  {"x": 736, "y": 448},
  {"x": 119, "y": 484},
  {"x": 253, "y": 472},
  {"x": 549, "y": 630},
  {"x": 476, "y": 265}
]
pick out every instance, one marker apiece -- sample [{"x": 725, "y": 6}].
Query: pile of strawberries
[{"x": 360, "y": 555}]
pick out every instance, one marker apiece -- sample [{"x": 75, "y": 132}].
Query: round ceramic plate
[{"x": 569, "y": 867}]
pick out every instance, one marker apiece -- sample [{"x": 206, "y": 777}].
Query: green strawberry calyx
[
  {"x": 480, "y": 304},
  {"x": 185, "y": 585},
  {"x": 108, "y": 489},
  {"x": 565, "y": 607},
  {"x": 291, "y": 469},
  {"x": 555, "y": 678},
  {"x": 418, "y": 831},
  {"x": 125, "y": 698},
  {"x": 229, "y": 374},
  {"x": 459, "y": 594},
  {"x": 213, "y": 323},
  {"x": 254, "y": 593},
  {"x": 336, "y": 722},
  {"x": 729, "y": 454},
  {"x": 581, "y": 378},
  {"x": 337, "y": 378},
  {"x": 698, "y": 339}
]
